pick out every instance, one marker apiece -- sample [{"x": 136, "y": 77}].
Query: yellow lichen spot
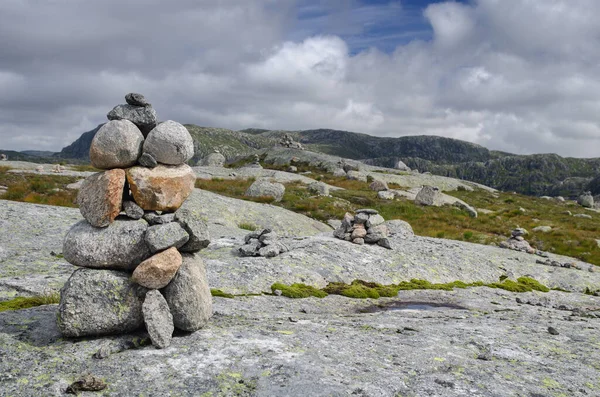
[
  {"x": 440, "y": 359},
  {"x": 550, "y": 383},
  {"x": 285, "y": 332}
]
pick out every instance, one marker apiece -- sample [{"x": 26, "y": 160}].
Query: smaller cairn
[
  {"x": 264, "y": 242},
  {"x": 58, "y": 169},
  {"x": 517, "y": 241},
  {"x": 39, "y": 168},
  {"x": 137, "y": 110},
  {"x": 366, "y": 226},
  {"x": 288, "y": 142},
  {"x": 586, "y": 200},
  {"x": 3, "y": 157}
]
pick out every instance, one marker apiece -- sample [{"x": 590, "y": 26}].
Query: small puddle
[{"x": 397, "y": 305}]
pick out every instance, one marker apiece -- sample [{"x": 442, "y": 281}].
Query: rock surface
[
  {"x": 265, "y": 188},
  {"x": 99, "y": 302},
  {"x": 158, "y": 319},
  {"x": 121, "y": 245},
  {"x": 100, "y": 197},
  {"x": 163, "y": 188},
  {"x": 188, "y": 295},
  {"x": 158, "y": 270},
  {"x": 169, "y": 143},
  {"x": 117, "y": 144}
]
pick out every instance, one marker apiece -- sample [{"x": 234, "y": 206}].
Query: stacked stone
[
  {"x": 136, "y": 246},
  {"x": 288, "y": 142},
  {"x": 366, "y": 226},
  {"x": 3, "y": 157},
  {"x": 517, "y": 241},
  {"x": 262, "y": 242}
]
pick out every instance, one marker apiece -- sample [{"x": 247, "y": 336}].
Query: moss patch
[
  {"x": 27, "y": 302},
  {"x": 363, "y": 289},
  {"x": 221, "y": 294}
]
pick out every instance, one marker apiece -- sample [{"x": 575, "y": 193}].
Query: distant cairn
[{"x": 136, "y": 247}]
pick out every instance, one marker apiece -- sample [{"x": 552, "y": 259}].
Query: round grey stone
[
  {"x": 188, "y": 295},
  {"x": 136, "y": 99},
  {"x": 121, "y": 245},
  {"x": 161, "y": 237},
  {"x": 144, "y": 117},
  {"x": 170, "y": 143},
  {"x": 100, "y": 302},
  {"x": 264, "y": 188},
  {"x": 158, "y": 319},
  {"x": 320, "y": 188},
  {"x": 117, "y": 144}
]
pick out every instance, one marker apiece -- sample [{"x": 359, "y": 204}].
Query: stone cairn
[
  {"x": 288, "y": 142},
  {"x": 517, "y": 242},
  {"x": 3, "y": 157},
  {"x": 136, "y": 247},
  {"x": 263, "y": 242},
  {"x": 367, "y": 226}
]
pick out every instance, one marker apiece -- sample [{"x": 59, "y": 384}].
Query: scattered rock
[
  {"x": 188, "y": 295},
  {"x": 99, "y": 302},
  {"x": 169, "y": 143},
  {"x": 542, "y": 229},
  {"x": 100, "y": 197},
  {"x": 586, "y": 200},
  {"x": 339, "y": 173},
  {"x": 319, "y": 188},
  {"x": 163, "y": 188},
  {"x": 292, "y": 168},
  {"x": 552, "y": 331},
  {"x": 196, "y": 228},
  {"x": 386, "y": 195},
  {"x": 161, "y": 237},
  {"x": 157, "y": 271},
  {"x": 401, "y": 166},
  {"x": 158, "y": 319},
  {"x": 560, "y": 199},
  {"x": 585, "y": 216},
  {"x": 135, "y": 99},
  {"x": 117, "y": 144},
  {"x": 75, "y": 185},
  {"x": 356, "y": 175},
  {"x": 144, "y": 117},
  {"x": 86, "y": 383},
  {"x": 215, "y": 159},
  {"x": 378, "y": 186},
  {"x": 132, "y": 210},
  {"x": 264, "y": 188},
  {"x": 121, "y": 245},
  {"x": 428, "y": 195},
  {"x": 262, "y": 242},
  {"x": 464, "y": 206}
]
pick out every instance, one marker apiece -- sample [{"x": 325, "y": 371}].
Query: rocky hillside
[{"x": 538, "y": 174}]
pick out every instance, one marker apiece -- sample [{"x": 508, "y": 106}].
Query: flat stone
[
  {"x": 169, "y": 143},
  {"x": 157, "y": 271},
  {"x": 542, "y": 229},
  {"x": 374, "y": 220},
  {"x": 146, "y": 160},
  {"x": 367, "y": 211},
  {"x": 99, "y": 302},
  {"x": 188, "y": 295},
  {"x": 196, "y": 228},
  {"x": 135, "y": 99},
  {"x": 361, "y": 217},
  {"x": 163, "y": 188},
  {"x": 269, "y": 251},
  {"x": 161, "y": 237},
  {"x": 144, "y": 117},
  {"x": 120, "y": 246},
  {"x": 158, "y": 319},
  {"x": 100, "y": 197},
  {"x": 155, "y": 219},
  {"x": 132, "y": 210},
  {"x": 385, "y": 243},
  {"x": 117, "y": 144},
  {"x": 358, "y": 241}
]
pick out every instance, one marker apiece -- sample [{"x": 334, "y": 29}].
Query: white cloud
[{"x": 519, "y": 77}]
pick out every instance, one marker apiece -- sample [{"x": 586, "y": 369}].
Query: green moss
[
  {"x": 533, "y": 283},
  {"x": 298, "y": 290},
  {"x": 247, "y": 226},
  {"x": 219, "y": 293},
  {"x": 27, "y": 302}
]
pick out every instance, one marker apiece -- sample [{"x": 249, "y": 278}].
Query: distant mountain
[
  {"x": 25, "y": 156},
  {"x": 536, "y": 174}
]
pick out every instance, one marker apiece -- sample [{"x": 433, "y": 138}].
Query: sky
[{"x": 522, "y": 76}]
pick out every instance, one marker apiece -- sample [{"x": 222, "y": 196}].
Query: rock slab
[
  {"x": 158, "y": 319},
  {"x": 99, "y": 302}
]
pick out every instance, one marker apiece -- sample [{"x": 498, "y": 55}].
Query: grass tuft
[{"x": 30, "y": 301}]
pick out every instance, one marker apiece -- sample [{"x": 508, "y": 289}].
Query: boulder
[
  {"x": 121, "y": 245},
  {"x": 265, "y": 188},
  {"x": 163, "y": 188},
  {"x": 339, "y": 172},
  {"x": 319, "y": 188},
  {"x": 132, "y": 210},
  {"x": 158, "y": 319},
  {"x": 213, "y": 160},
  {"x": 292, "y": 168},
  {"x": 586, "y": 200},
  {"x": 157, "y": 271},
  {"x": 374, "y": 220},
  {"x": 144, "y": 117},
  {"x": 542, "y": 229},
  {"x": 169, "y": 143},
  {"x": 399, "y": 229},
  {"x": 161, "y": 237},
  {"x": 100, "y": 197},
  {"x": 99, "y": 302},
  {"x": 464, "y": 206},
  {"x": 378, "y": 185},
  {"x": 386, "y": 195},
  {"x": 135, "y": 99},
  {"x": 401, "y": 166},
  {"x": 188, "y": 295},
  {"x": 428, "y": 195},
  {"x": 196, "y": 228},
  {"x": 117, "y": 144},
  {"x": 356, "y": 175}
]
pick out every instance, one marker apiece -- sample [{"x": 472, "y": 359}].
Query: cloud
[{"x": 520, "y": 77}]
